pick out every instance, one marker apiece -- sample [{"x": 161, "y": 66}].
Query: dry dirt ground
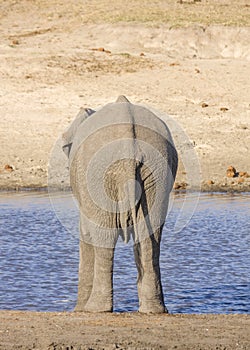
[
  {"x": 75, "y": 331},
  {"x": 189, "y": 60}
]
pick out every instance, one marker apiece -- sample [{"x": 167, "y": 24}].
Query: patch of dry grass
[
  {"x": 174, "y": 13},
  {"x": 110, "y": 64}
]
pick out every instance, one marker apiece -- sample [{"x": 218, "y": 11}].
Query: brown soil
[{"x": 63, "y": 331}]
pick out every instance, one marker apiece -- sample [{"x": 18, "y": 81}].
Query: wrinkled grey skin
[{"x": 122, "y": 167}]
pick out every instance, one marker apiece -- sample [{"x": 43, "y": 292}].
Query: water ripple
[{"x": 205, "y": 267}]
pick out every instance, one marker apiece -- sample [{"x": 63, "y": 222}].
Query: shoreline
[
  {"x": 77, "y": 331},
  {"x": 210, "y": 189}
]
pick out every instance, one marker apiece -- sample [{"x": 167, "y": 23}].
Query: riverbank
[
  {"x": 61, "y": 60},
  {"x": 54, "y": 331}
]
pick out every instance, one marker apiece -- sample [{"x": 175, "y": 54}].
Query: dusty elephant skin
[{"x": 123, "y": 165}]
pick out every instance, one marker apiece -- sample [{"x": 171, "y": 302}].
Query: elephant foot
[
  {"x": 93, "y": 307},
  {"x": 150, "y": 307},
  {"x": 82, "y": 300},
  {"x": 98, "y": 304},
  {"x": 98, "y": 308},
  {"x": 79, "y": 308}
]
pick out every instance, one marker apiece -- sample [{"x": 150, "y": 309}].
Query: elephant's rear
[
  {"x": 122, "y": 172},
  {"x": 147, "y": 184}
]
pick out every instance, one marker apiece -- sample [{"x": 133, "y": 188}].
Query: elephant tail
[{"x": 128, "y": 216}]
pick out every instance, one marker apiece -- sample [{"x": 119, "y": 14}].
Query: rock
[
  {"x": 15, "y": 42},
  {"x": 243, "y": 126},
  {"x": 241, "y": 180},
  {"x": 231, "y": 171},
  {"x": 210, "y": 182},
  {"x": 180, "y": 186},
  {"x": 223, "y": 109},
  {"x": 243, "y": 174},
  {"x": 101, "y": 49},
  {"x": 9, "y": 168},
  {"x": 204, "y": 105},
  {"x": 176, "y": 186}
]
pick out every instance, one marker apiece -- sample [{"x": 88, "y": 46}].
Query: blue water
[{"x": 205, "y": 267}]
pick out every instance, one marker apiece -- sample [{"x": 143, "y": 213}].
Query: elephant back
[{"x": 122, "y": 167}]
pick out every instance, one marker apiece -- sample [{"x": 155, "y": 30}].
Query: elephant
[{"x": 122, "y": 165}]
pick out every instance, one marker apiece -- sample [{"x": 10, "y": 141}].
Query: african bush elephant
[{"x": 122, "y": 163}]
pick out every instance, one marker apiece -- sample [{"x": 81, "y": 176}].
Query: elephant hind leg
[
  {"x": 101, "y": 297},
  {"x": 147, "y": 255},
  {"x": 86, "y": 272}
]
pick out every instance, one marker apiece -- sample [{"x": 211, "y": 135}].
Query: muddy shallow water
[{"x": 205, "y": 266}]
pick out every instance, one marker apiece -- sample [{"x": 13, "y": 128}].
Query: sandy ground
[
  {"x": 198, "y": 74},
  {"x": 75, "y": 331},
  {"x": 49, "y": 68}
]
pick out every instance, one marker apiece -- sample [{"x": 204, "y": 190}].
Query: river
[{"x": 204, "y": 266}]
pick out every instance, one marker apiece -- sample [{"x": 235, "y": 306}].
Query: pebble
[
  {"x": 8, "y": 168},
  {"x": 243, "y": 174},
  {"x": 180, "y": 186},
  {"x": 231, "y": 171},
  {"x": 210, "y": 182},
  {"x": 204, "y": 105}
]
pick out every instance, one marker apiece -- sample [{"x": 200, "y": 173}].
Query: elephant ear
[
  {"x": 69, "y": 134},
  {"x": 122, "y": 99}
]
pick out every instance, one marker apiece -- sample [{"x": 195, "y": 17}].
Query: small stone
[
  {"x": 176, "y": 186},
  {"x": 142, "y": 54},
  {"x": 197, "y": 70},
  {"x": 243, "y": 174},
  {"x": 204, "y": 105},
  {"x": 243, "y": 126},
  {"x": 15, "y": 42},
  {"x": 241, "y": 180},
  {"x": 210, "y": 182},
  {"x": 101, "y": 49},
  {"x": 180, "y": 186},
  {"x": 231, "y": 171},
  {"x": 9, "y": 168},
  {"x": 223, "y": 109}
]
